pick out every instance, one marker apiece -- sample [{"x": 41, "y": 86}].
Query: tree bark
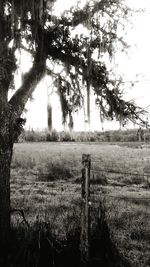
[
  {"x": 10, "y": 112},
  {"x": 10, "y": 126},
  {"x": 5, "y": 161}
]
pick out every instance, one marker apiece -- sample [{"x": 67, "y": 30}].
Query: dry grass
[
  {"x": 129, "y": 224},
  {"x": 43, "y": 185}
]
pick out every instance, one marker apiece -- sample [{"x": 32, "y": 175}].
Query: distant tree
[
  {"x": 140, "y": 134},
  {"x": 32, "y": 26}
]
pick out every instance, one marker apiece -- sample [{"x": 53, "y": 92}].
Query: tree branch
[
  {"x": 81, "y": 66},
  {"x": 31, "y": 79},
  {"x": 83, "y": 15}
]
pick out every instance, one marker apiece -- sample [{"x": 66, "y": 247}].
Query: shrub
[
  {"x": 30, "y": 137},
  {"x": 66, "y": 137},
  {"x": 52, "y": 137},
  {"x": 107, "y": 136},
  {"x": 35, "y": 136},
  {"x": 55, "y": 171},
  {"x": 131, "y": 137},
  {"x": 147, "y": 137},
  {"x": 116, "y": 136},
  {"x": 99, "y": 179}
]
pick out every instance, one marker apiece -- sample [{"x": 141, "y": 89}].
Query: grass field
[{"x": 45, "y": 183}]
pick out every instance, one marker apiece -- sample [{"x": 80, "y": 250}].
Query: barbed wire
[
  {"x": 122, "y": 197},
  {"x": 146, "y": 174},
  {"x": 62, "y": 190},
  {"x": 119, "y": 172}
]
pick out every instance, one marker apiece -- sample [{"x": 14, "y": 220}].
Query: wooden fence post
[{"x": 85, "y": 213}]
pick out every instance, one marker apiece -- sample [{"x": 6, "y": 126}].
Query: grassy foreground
[{"x": 45, "y": 184}]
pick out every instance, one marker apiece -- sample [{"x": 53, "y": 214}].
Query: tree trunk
[{"x": 5, "y": 162}]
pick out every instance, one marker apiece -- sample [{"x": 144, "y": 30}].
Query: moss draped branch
[{"x": 31, "y": 79}]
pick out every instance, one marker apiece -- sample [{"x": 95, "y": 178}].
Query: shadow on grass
[{"x": 38, "y": 247}]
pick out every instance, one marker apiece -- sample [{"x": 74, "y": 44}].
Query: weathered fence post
[{"x": 85, "y": 213}]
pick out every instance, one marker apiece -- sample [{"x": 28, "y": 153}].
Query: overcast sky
[{"x": 136, "y": 62}]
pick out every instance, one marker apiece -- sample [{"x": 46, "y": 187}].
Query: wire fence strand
[{"x": 119, "y": 172}]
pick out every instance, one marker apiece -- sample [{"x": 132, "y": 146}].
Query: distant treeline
[{"x": 106, "y": 136}]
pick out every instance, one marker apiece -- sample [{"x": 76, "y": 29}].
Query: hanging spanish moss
[
  {"x": 26, "y": 19},
  {"x": 23, "y": 17},
  {"x": 50, "y": 121}
]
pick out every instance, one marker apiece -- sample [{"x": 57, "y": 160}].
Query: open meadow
[{"x": 46, "y": 185}]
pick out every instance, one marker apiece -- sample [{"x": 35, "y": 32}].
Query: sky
[{"x": 132, "y": 66}]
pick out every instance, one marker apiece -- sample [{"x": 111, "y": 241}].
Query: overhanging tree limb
[
  {"x": 116, "y": 106},
  {"x": 31, "y": 79}
]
